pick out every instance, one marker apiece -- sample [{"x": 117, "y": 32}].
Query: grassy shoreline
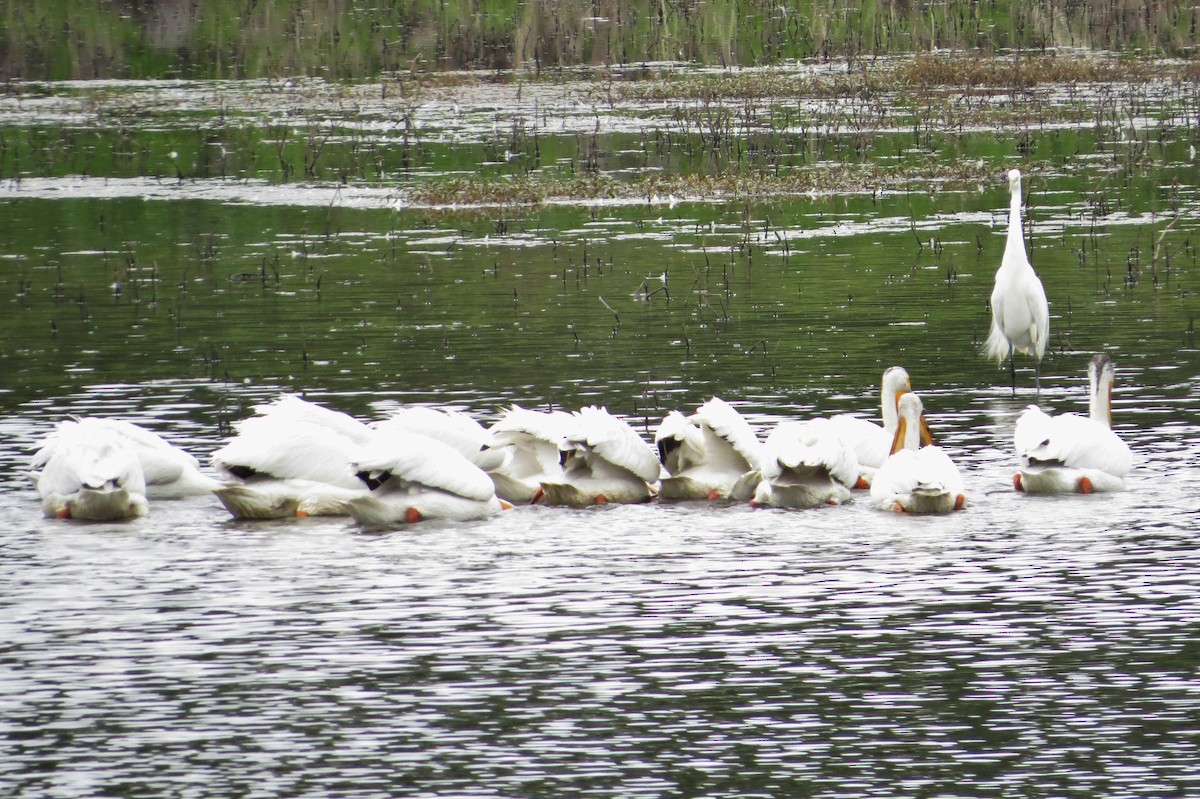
[{"x": 344, "y": 40}]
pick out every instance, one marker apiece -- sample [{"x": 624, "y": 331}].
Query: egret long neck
[{"x": 1016, "y": 241}]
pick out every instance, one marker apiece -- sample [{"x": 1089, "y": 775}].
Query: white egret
[
  {"x": 1067, "y": 453},
  {"x": 1020, "y": 313}
]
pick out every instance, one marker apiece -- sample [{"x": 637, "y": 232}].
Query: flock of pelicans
[{"x": 298, "y": 458}]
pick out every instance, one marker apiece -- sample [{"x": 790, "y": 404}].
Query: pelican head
[{"x": 895, "y": 383}]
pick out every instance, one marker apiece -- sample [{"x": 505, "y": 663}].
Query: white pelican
[
  {"x": 872, "y": 443},
  {"x": 412, "y": 478},
  {"x": 707, "y": 454},
  {"x": 453, "y": 428},
  {"x": 917, "y": 479},
  {"x": 530, "y": 439},
  {"x": 1067, "y": 453},
  {"x": 281, "y": 464},
  {"x": 1020, "y": 313},
  {"x": 169, "y": 472},
  {"x": 603, "y": 460},
  {"x": 290, "y": 407},
  {"x": 805, "y": 465},
  {"x": 91, "y": 473}
]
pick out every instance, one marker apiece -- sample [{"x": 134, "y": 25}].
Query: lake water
[{"x": 1023, "y": 647}]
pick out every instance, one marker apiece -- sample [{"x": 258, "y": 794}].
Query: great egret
[
  {"x": 805, "y": 465},
  {"x": 604, "y": 460},
  {"x": 872, "y": 443},
  {"x": 1020, "y": 313},
  {"x": 1067, "y": 453},
  {"x": 707, "y": 454},
  {"x": 915, "y": 478},
  {"x": 91, "y": 473}
]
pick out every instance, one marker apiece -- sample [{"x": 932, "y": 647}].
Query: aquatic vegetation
[{"x": 229, "y": 39}]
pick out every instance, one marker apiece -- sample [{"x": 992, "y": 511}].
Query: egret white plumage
[
  {"x": 603, "y": 460},
  {"x": 871, "y": 442},
  {"x": 91, "y": 473},
  {"x": 707, "y": 454},
  {"x": 1020, "y": 313},
  {"x": 805, "y": 465},
  {"x": 1067, "y": 453},
  {"x": 916, "y": 478}
]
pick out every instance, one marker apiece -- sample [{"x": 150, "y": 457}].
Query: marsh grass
[
  {"x": 340, "y": 39},
  {"x": 829, "y": 178}
]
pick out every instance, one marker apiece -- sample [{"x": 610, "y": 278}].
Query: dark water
[{"x": 1024, "y": 647}]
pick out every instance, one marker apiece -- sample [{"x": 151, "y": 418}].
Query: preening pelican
[
  {"x": 453, "y": 428},
  {"x": 915, "y": 478},
  {"x": 872, "y": 443},
  {"x": 1020, "y": 313},
  {"x": 169, "y": 472},
  {"x": 603, "y": 460},
  {"x": 1067, "y": 453},
  {"x": 293, "y": 408},
  {"x": 707, "y": 454},
  {"x": 289, "y": 464},
  {"x": 805, "y": 465},
  {"x": 91, "y": 472},
  {"x": 412, "y": 478},
  {"x": 530, "y": 441}
]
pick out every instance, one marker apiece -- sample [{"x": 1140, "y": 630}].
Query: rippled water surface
[{"x": 1023, "y": 647}]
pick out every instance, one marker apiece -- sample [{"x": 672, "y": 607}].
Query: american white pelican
[
  {"x": 1020, "y": 313},
  {"x": 293, "y": 408},
  {"x": 169, "y": 472},
  {"x": 91, "y": 473},
  {"x": 603, "y": 460},
  {"x": 412, "y": 478},
  {"x": 917, "y": 479},
  {"x": 805, "y": 465},
  {"x": 872, "y": 443},
  {"x": 454, "y": 428},
  {"x": 1067, "y": 453},
  {"x": 281, "y": 464},
  {"x": 707, "y": 454},
  {"x": 530, "y": 440}
]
